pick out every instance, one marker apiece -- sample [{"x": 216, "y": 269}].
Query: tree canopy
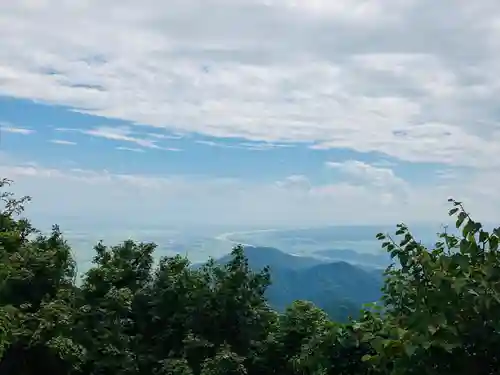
[{"x": 438, "y": 313}]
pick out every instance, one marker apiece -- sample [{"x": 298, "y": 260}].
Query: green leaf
[
  {"x": 449, "y": 346},
  {"x": 458, "y": 285},
  {"x": 406, "y": 240},
  {"x": 468, "y": 228},
  {"x": 461, "y": 217},
  {"x": 464, "y": 246},
  {"x": 366, "y": 357},
  {"x": 378, "y": 344},
  {"x": 432, "y": 329},
  {"x": 367, "y": 337},
  {"x": 483, "y": 236},
  {"x": 493, "y": 243},
  {"x": 410, "y": 349},
  {"x": 473, "y": 292}
]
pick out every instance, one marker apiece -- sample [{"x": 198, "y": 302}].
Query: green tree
[
  {"x": 335, "y": 349},
  {"x": 441, "y": 305},
  {"x": 166, "y": 312},
  {"x": 295, "y": 328},
  {"x": 36, "y": 295},
  {"x": 225, "y": 362},
  {"x": 190, "y": 313},
  {"x": 106, "y": 324}
]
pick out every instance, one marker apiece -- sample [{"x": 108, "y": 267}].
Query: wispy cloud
[
  {"x": 165, "y": 136},
  {"x": 339, "y": 74},
  {"x": 254, "y": 146},
  {"x": 8, "y": 128},
  {"x": 122, "y": 134},
  {"x": 131, "y": 149},
  {"x": 213, "y": 144},
  {"x": 62, "y": 142},
  {"x": 369, "y": 77},
  {"x": 259, "y": 146}
]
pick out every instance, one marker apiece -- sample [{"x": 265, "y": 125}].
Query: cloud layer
[
  {"x": 412, "y": 79},
  {"x": 416, "y": 80},
  {"x": 366, "y": 194}
]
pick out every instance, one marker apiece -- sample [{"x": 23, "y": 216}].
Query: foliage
[{"x": 438, "y": 313}]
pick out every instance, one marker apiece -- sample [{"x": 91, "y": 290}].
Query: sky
[{"x": 251, "y": 112}]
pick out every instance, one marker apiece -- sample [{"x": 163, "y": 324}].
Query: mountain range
[
  {"x": 381, "y": 259},
  {"x": 338, "y": 287}
]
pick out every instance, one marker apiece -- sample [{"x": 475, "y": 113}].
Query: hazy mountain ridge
[
  {"x": 262, "y": 256},
  {"x": 339, "y": 288},
  {"x": 380, "y": 259}
]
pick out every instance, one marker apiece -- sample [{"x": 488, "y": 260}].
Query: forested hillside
[
  {"x": 438, "y": 313},
  {"x": 338, "y": 288}
]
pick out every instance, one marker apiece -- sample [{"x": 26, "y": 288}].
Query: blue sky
[{"x": 276, "y": 113}]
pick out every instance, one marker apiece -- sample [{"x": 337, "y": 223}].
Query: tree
[
  {"x": 441, "y": 305},
  {"x": 296, "y": 327},
  {"x": 36, "y": 295},
  {"x": 193, "y": 313},
  {"x": 335, "y": 349},
  {"x": 106, "y": 322},
  {"x": 225, "y": 362}
]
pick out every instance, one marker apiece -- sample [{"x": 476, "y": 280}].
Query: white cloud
[
  {"x": 62, "y": 142},
  {"x": 260, "y": 146},
  {"x": 119, "y": 134},
  {"x": 145, "y": 200},
  {"x": 123, "y": 134},
  {"x": 131, "y": 149},
  {"x": 165, "y": 136},
  {"x": 296, "y": 182},
  {"x": 254, "y": 146},
  {"x": 383, "y": 180},
  {"x": 8, "y": 128},
  {"x": 379, "y": 176},
  {"x": 415, "y": 80}
]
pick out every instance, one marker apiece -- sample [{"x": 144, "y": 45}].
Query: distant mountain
[
  {"x": 380, "y": 259},
  {"x": 260, "y": 257},
  {"x": 339, "y": 288}
]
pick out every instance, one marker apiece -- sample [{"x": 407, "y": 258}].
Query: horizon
[{"x": 198, "y": 245}]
